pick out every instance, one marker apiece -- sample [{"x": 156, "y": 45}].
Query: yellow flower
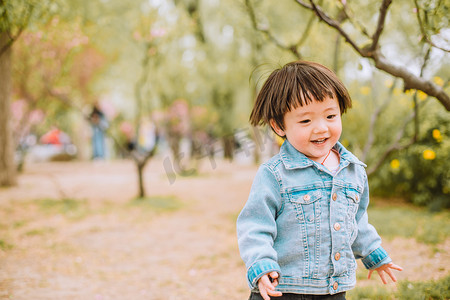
[
  {"x": 365, "y": 90},
  {"x": 395, "y": 164},
  {"x": 438, "y": 80},
  {"x": 422, "y": 96},
  {"x": 437, "y": 135},
  {"x": 429, "y": 154}
]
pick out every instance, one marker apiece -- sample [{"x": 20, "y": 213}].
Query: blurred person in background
[{"x": 99, "y": 125}]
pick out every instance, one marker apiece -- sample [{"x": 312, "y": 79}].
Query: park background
[{"x": 153, "y": 216}]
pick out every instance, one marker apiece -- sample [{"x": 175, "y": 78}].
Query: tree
[
  {"x": 349, "y": 22},
  {"x": 147, "y": 39},
  {"x": 222, "y": 71},
  {"x": 372, "y": 48},
  {"x": 7, "y": 166},
  {"x": 54, "y": 70},
  {"x": 14, "y": 18}
]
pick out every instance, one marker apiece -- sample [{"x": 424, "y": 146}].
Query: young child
[{"x": 305, "y": 221}]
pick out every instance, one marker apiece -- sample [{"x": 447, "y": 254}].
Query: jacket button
[
  {"x": 334, "y": 196},
  {"x": 337, "y": 226},
  {"x": 306, "y": 197},
  {"x": 337, "y": 256},
  {"x": 335, "y": 286}
]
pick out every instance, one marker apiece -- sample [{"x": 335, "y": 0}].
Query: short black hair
[{"x": 296, "y": 84}]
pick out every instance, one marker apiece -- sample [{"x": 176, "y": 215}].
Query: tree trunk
[
  {"x": 228, "y": 147},
  {"x": 7, "y": 165},
  {"x": 140, "y": 169}
]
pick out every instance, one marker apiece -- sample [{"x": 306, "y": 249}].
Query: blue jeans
[{"x": 287, "y": 296}]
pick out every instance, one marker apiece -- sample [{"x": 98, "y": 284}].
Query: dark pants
[{"x": 287, "y": 296}]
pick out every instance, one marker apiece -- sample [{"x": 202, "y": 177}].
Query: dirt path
[{"x": 102, "y": 247}]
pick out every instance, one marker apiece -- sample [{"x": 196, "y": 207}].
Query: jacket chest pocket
[
  {"x": 307, "y": 205},
  {"x": 353, "y": 199}
]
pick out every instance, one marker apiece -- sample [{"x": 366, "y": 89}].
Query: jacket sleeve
[
  {"x": 257, "y": 228},
  {"x": 367, "y": 244}
]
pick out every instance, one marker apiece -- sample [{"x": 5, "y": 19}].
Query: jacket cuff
[
  {"x": 376, "y": 259},
  {"x": 259, "y": 269}
]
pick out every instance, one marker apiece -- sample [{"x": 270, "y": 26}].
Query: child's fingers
[
  {"x": 275, "y": 293},
  {"x": 383, "y": 279},
  {"x": 274, "y": 275},
  {"x": 265, "y": 281},
  {"x": 389, "y": 272},
  {"x": 263, "y": 294},
  {"x": 266, "y": 292},
  {"x": 264, "y": 286},
  {"x": 395, "y": 267},
  {"x": 267, "y": 287}
]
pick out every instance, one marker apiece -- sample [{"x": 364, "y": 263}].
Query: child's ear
[{"x": 276, "y": 128}]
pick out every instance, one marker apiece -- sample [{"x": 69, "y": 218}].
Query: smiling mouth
[{"x": 319, "y": 141}]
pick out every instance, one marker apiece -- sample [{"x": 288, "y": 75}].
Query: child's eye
[
  {"x": 331, "y": 117},
  {"x": 305, "y": 121}
]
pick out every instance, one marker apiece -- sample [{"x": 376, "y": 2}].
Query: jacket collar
[{"x": 293, "y": 159}]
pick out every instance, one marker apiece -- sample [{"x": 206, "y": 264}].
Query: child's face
[{"x": 313, "y": 129}]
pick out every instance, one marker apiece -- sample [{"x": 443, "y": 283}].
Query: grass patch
[
  {"x": 158, "y": 203},
  {"x": 19, "y": 224},
  {"x": 40, "y": 231},
  {"x": 409, "y": 222},
  {"x": 5, "y": 245},
  {"x": 70, "y": 208},
  {"x": 407, "y": 290},
  {"x": 370, "y": 292},
  {"x": 439, "y": 289}
]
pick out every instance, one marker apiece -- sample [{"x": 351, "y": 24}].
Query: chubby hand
[
  {"x": 387, "y": 268},
  {"x": 267, "y": 284}
]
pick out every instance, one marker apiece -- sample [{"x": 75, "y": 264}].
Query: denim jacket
[{"x": 308, "y": 225}]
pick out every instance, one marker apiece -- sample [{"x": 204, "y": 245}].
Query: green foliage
[
  {"x": 71, "y": 208},
  {"x": 407, "y": 290},
  {"x": 421, "y": 173},
  {"x": 158, "y": 203},
  {"x": 369, "y": 292},
  {"x": 5, "y": 245},
  {"x": 433, "y": 15},
  {"x": 16, "y": 15},
  {"x": 205, "y": 52},
  {"x": 409, "y": 222},
  {"x": 40, "y": 231},
  {"x": 439, "y": 289}
]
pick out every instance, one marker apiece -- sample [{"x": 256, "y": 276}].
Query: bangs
[
  {"x": 305, "y": 90},
  {"x": 296, "y": 84}
]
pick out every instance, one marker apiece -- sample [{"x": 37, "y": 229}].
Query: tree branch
[
  {"x": 396, "y": 146},
  {"x": 422, "y": 29},
  {"x": 373, "y": 120},
  {"x": 415, "y": 116},
  {"x": 357, "y": 24},
  {"x": 12, "y": 39},
  {"x": 292, "y": 48},
  {"x": 381, "y": 19},
  {"x": 410, "y": 80},
  {"x": 336, "y": 25}
]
